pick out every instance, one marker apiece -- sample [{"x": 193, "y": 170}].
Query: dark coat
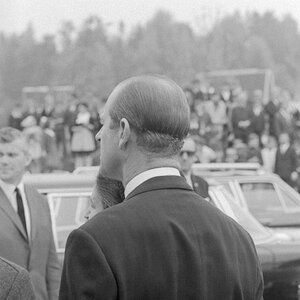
[
  {"x": 200, "y": 186},
  {"x": 286, "y": 163},
  {"x": 163, "y": 242},
  {"x": 239, "y": 114},
  {"x": 15, "y": 283},
  {"x": 257, "y": 122}
]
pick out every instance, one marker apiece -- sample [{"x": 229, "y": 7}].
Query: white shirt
[
  {"x": 142, "y": 177},
  {"x": 269, "y": 157},
  {"x": 189, "y": 178},
  {"x": 284, "y": 147},
  {"x": 9, "y": 190}
]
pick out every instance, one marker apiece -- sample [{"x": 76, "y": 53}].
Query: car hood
[
  {"x": 280, "y": 250},
  {"x": 292, "y": 232}
]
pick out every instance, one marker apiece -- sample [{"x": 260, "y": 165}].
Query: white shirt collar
[
  {"x": 142, "y": 177},
  {"x": 9, "y": 188}
]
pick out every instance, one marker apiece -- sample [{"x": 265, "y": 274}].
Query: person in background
[
  {"x": 217, "y": 111},
  {"x": 50, "y": 158},
  {"x": 268, "y": 154},
  {"x": 16, "y": 116},
  {"x": 34, "y": 135},
  {"x": 163, "y": 241},
  {"x": 241, "y": 150},
  {"x": 32, "y": 108},
  {"x": 271, "y": 110},
  {"x": 49, "y": 107},
  {"x": 241, "y": 118},
  {"x": 254, "y": 151},
  {"x": 283, "y": 119},
  {"x": 204, "y": 154},
  {"x": 82, "y": 140},
  {"x": 15, "y": 283},
  {"x": 286, "y": 161},
  {"x": 187, "y": 158},
  {"x": 204, "y": 121},
  {"x": 216, "y": 108},
  {"x": 231, "y": 155},
  {"x": 25, "y": 224},
  {"x": 257, "y": 114},
  {"x": 69, "y": 120},
  {"x": 106, "y": 193},
  {"x": 56, "y": 123},
  {"x": 200, "y": 89}
]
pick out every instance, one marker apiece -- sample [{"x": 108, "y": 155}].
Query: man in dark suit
[
  {"x": 187, "y": 158},
  {"x": 15, "y": 283},
  {"x": 163, "y": 241},
  {"x": 25, "y": 224},
  {"x": 286, "y": 161}
]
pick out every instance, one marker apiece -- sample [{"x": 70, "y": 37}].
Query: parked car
[
  {"x": 278, "y": 253},
  {"x": 68, "y": 195},
  {"x": 265, "y": 195}
]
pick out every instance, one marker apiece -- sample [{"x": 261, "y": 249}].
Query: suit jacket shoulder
[
  {"x": 15, "y": 282},
  {"x": 163, "y": 234},
  {"x": 200, "y": 186}
]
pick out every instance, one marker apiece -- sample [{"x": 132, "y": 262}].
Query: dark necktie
[{"x": 20, "y": 205}]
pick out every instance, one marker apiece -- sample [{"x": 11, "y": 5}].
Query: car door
[{"x": 68, "y": 213}]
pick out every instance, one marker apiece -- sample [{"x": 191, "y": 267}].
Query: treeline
[{"x": 93, "y": 60}]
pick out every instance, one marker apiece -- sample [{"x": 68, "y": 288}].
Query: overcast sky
[{"x": 47, "y": 15}]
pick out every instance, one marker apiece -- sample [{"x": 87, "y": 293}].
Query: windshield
[{"x": 229, "y": 206}]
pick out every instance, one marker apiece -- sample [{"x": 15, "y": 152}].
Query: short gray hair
[
  {"x": 10, "y": 134},
  {"x": 157, "y": 109}
]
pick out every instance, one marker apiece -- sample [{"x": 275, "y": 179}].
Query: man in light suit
[
  {"x": 25, "y": 225},
  {"x": 163, "y": 241},
  {"x": 15, "y": 283}
]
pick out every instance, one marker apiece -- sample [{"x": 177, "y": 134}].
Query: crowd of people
[
  {"x": 60, "y": 133},
  {"x": 228, "y": 124},
  {"x": 233, "y": 125}
]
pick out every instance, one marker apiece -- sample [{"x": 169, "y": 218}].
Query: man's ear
[
  {"x": 125, "y": 133},
  {"x": 28, "y": 159}
]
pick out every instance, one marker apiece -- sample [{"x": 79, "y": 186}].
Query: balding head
[{"x": 156, "y": 108}]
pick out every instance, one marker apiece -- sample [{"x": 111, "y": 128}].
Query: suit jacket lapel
[
  {"x": 33, "y": 209},
  {"x": 9, "y": 211}
]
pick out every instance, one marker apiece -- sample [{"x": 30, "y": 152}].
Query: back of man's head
[{"x": 157, "y": 109}]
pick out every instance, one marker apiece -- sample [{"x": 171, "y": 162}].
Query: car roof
[
  {"x": 229, "y": 171},
  {"x": 220, "y": 169},
  {"x": 46, "y": 182}
]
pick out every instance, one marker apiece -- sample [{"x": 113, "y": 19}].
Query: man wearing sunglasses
[{"x": 187, "y": 158}]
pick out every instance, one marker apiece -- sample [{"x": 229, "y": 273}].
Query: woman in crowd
[
  {"x": 106, "y": 193},
  {"x": 82, "y": 140}
]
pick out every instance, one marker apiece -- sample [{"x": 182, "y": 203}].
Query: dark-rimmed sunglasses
[{"x": 189, "y": 153}]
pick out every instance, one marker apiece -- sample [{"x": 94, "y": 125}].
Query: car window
[
  {"x": 67, "y": 212},
  {"x": 227, "y": 187},
  {"x": 262, "y": 200},
  {"x": 289, "y": 200},
  {"x": 229, "y": 206}
]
